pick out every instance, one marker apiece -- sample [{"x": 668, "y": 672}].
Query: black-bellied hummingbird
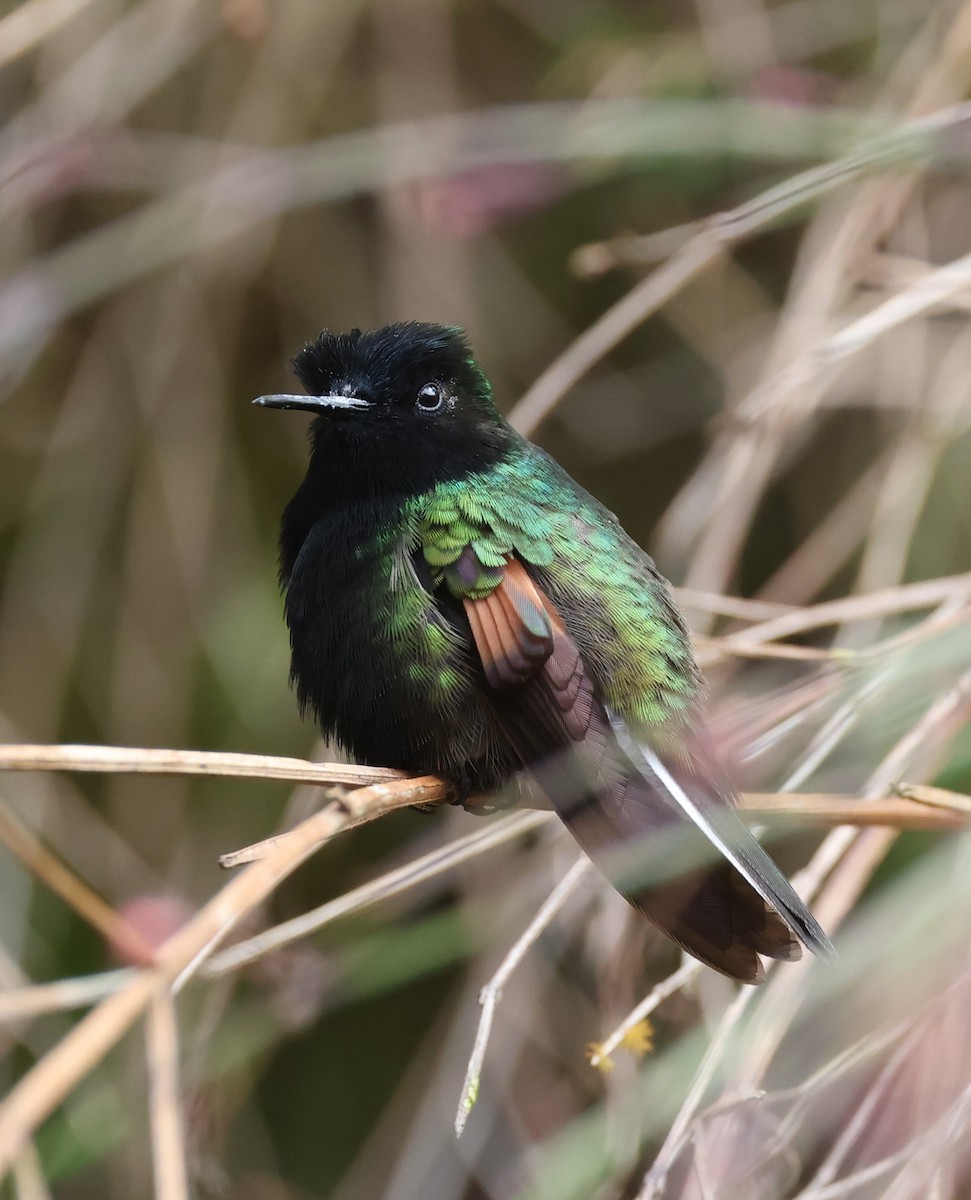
[{"x": 458, "y": 605}]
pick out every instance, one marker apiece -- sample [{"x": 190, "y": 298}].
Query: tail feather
[
  {"x": 713, "y": 813},
  {"x": 628, "y": 809},
  {"x": 631, "y": 831},
  {"x": 717, "y": 916},
  {"x": 708, "y": 908}
]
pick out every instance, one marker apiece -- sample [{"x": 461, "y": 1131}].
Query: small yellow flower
[{"x": 639, "y": 1039}]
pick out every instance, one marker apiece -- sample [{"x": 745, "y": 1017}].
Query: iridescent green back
[{"x": 608, "y": 591}]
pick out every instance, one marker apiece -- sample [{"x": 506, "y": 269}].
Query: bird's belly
[{"x": 390, "y": 678}]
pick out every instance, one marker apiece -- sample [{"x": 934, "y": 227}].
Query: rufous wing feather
[{"x": 511, "y": 628}]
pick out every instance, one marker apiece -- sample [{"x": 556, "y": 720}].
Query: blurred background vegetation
[{"x": 189, "y": 190}]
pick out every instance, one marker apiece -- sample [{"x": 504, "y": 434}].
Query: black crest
[{"x": 389, "y": 365}]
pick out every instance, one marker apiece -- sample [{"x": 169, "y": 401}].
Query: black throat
[
  {"x": 348, "y": 466},
  {"x": 352, "y": 488}
]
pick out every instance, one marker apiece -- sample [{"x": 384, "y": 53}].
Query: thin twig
[
  {"x": 729, "y": 606},
  {"x": 252, "y": 852},
  {"x": 59, "y": 877},
  {"x": 390, "y": 883},
  {"x": 25, "y": 1003},
  {"x": 491, "y": 994},
  {"x": 167, "y": 1120},
  {"x": 924, "y": 794},
  {"x": 28, "y": 1175},
  {"x": 29, "y": 23},
  {"x": 130, "y": 760},
  {"x": 817, "y": 809},
  {"x": 710, "y": 649},
  {"x": 923, "y": 294},
  {"x": 688, "y": 970},
  {"x": 677, "y": 1134},
  {"x": 807, "y": 808},
  {"x": 904, "y": 598}
]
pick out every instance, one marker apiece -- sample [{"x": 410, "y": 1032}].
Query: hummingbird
[{"x": 458, "y": 605}]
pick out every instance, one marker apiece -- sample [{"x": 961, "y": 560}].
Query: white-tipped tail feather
[{"x": 721, "y": 825}]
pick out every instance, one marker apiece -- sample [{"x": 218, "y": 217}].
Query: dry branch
[
  {"x": 29, "y": 23},
  {"x": 390, "y": 883},
  {"x": 131, "y": 760},
  {"x": 59, "y": 877},
  {"x": 43, "y": 1088},
  {"x": 168, "y": 1122},
  {"x": 39, "y": 1092},
  {"x": 28, "y": 1176},
  {"x": 904, "y": 598},
  {"x": 491, "y": 994},
  {"x": 21, "y": 1004},
  {"x": 911, "y": 810}
]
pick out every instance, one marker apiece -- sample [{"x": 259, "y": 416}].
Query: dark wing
[{"x": 622, "y": 802}]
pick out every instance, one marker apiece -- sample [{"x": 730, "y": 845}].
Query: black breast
[{"x": 363, "y": 659}]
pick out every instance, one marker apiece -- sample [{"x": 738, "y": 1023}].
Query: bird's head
[{"x": 405, "y": 395}]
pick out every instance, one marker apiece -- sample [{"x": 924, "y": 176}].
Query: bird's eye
[{"x": 430, "y": 398}]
